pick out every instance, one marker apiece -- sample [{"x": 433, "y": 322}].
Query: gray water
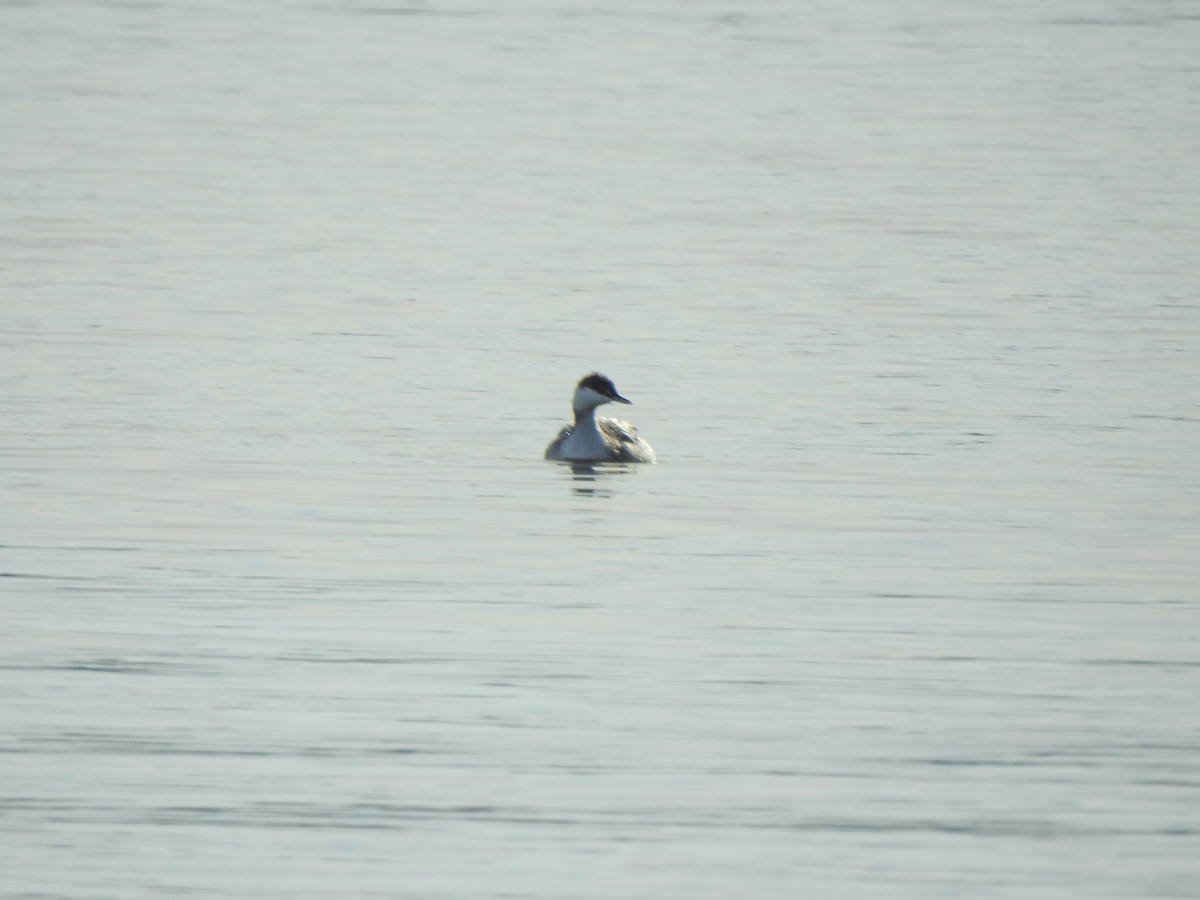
[{"x": 905, "y": 295}]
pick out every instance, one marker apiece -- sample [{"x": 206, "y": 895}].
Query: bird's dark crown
[{"x": 601, "y": 384}]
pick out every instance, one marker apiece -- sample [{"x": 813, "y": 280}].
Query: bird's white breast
[{"x": 585, "y": 442}]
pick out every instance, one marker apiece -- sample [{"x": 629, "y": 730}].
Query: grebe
[{"x": 593, "y": 439}]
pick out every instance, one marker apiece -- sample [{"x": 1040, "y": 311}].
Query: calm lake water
[{"x": 906, "y": 297}]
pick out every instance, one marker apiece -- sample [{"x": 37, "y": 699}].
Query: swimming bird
[{"x": 597, "y": 439}]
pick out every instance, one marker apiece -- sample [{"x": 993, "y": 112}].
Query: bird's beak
[{"x": 621, "y": 399}]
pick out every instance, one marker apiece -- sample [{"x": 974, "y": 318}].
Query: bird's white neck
[{"x": 586, "y": 400}]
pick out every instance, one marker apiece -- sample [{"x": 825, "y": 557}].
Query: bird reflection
[{"x": 588, "y": 478}]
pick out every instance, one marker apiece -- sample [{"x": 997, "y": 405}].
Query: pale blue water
[{"x": 905, "y": 298}]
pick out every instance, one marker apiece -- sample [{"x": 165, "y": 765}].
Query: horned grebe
[{"x": 593, "y": 439}]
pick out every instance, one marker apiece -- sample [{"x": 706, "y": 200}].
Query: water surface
[{"x": 905, "y": 298}]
